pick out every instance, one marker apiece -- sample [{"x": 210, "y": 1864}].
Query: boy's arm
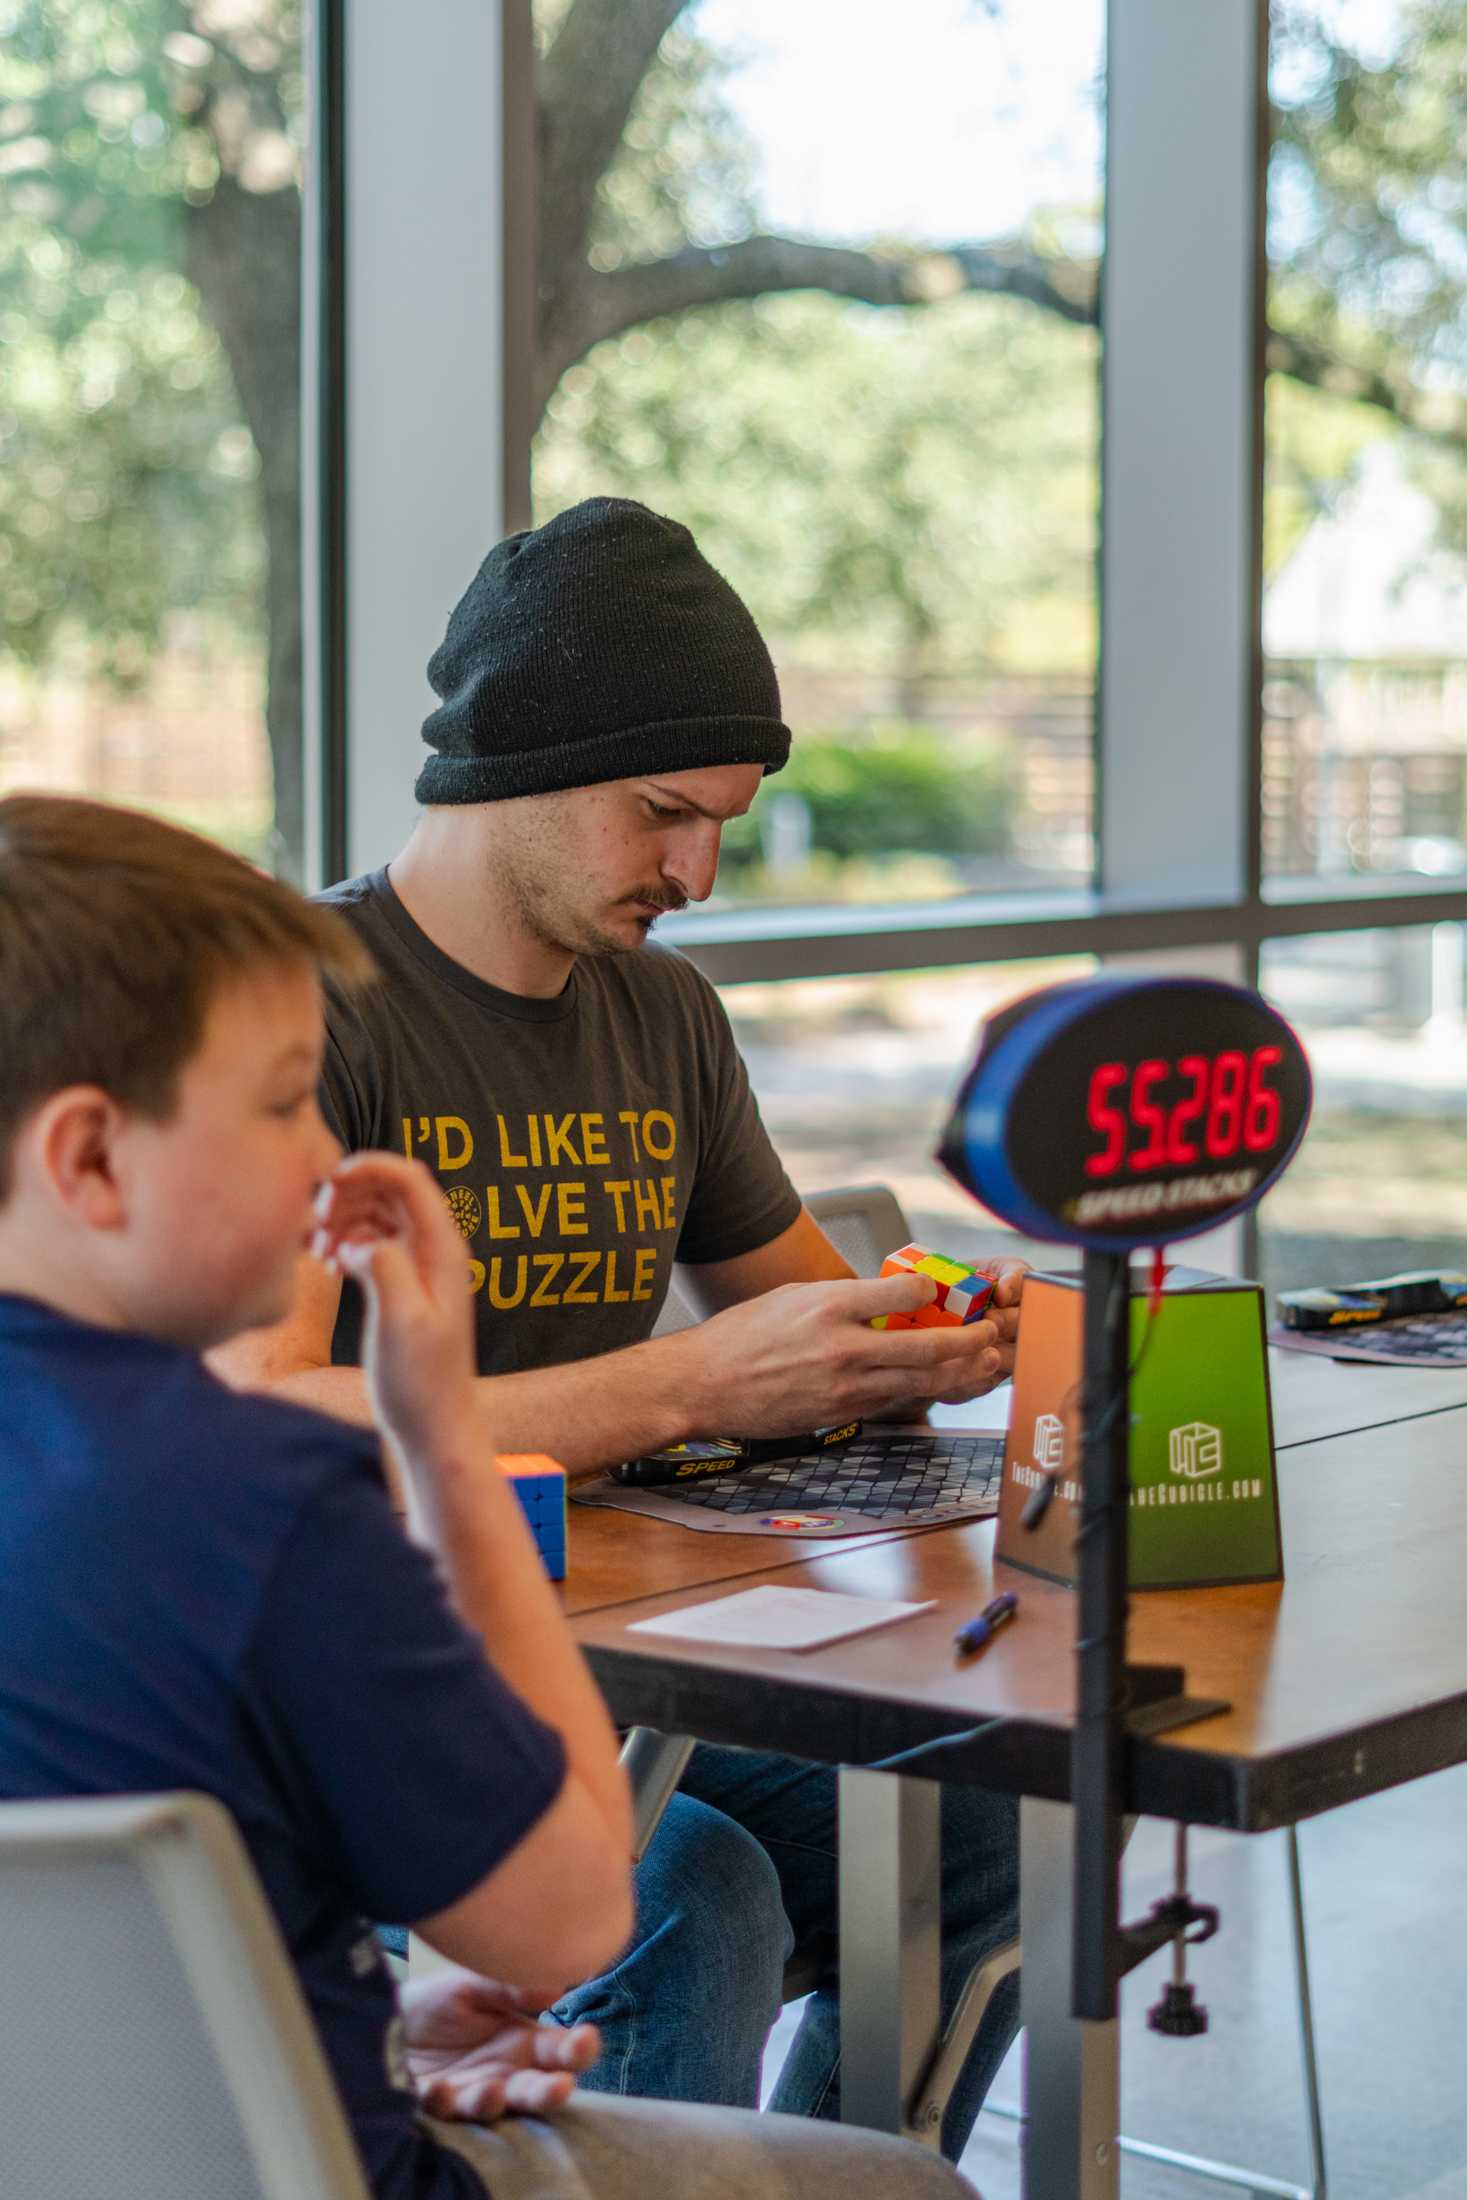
[
  {"x": 560, "y": 1902},
  {"x": 792, "y": 1348}
]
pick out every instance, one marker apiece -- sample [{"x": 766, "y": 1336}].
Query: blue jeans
[{"x": 740, "y": 1875}]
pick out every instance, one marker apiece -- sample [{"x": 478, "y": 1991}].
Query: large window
[
  {"x": 856, "y": 1077},
  {"x": 846, "y": 262},
  {"x": 150, "y": 416},
  {"x": 1380, "y": 1183},
  {"x": 1365, "y": 623},
  {"x": 1365, "y": 603}
]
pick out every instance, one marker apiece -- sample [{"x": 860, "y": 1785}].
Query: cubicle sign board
[
  {"x": 1203, "y": 1505},
  {"x": 1121, "y": 1112}
]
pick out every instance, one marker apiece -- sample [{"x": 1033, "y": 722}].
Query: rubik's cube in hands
[
  {"x": 962, "y": 1294},
  {"x": 539, "y": 1484}
]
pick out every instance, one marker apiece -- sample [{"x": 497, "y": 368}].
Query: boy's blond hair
[{"x": 116, "y": 933}]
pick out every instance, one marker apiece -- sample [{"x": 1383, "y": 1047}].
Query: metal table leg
[
  {"x": 1260, "y": 2184},
  {"x": 1071, "y": 2068},
  {"x": 653, "y": 1763},
  {"x": 890, "y": 1947}
]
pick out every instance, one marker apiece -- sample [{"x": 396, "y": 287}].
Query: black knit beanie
[{"x": 600, "y": 646}]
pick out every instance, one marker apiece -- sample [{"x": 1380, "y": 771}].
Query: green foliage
[
  {"x": 1370, "y": 180},
  {"x": 1314, "y": 444},
  {"x": 905, "y": 493},
  {"x": 127, "y": 484},
  {"x": 1368, "y": 239},
  {"x": 896, "y": 790},
  {"x": 683, "y": 173},
  {"x": 910, "y": 493}
]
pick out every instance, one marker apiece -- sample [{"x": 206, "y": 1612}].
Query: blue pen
[{"x": 989, "y": 1620}]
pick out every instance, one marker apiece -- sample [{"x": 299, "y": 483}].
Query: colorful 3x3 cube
[
  {"x": 539, "y": 1484},
  {"x": 962, "y": 1294}
]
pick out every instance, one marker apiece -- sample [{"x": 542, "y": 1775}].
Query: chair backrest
[
  {"x": 156, "y": 2042},
  {"x": 863, "y": 1221}
]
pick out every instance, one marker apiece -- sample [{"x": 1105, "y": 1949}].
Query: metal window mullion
[
  {"x": 426, "y": 363},
  {"x": 323, "y": 454},
  {"x": 739, "y": 955},
  {"x": 1179, "y": 466}
]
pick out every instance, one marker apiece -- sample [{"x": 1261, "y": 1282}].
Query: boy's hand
[
  {"x": 476, "y": 2052},
  {"x": 385, "y": 1222}
]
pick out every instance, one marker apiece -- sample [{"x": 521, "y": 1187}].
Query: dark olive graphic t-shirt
[{"x": 583, "y": 1143}]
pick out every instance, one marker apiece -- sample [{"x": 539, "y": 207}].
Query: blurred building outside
[
  {"x": 1365, "y": 696},
  {"x": 188, "y": 741}
]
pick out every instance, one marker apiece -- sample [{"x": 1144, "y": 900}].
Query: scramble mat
[
  {"x": 884, "y": 1478},
  {"x": 1415, "y": 1340}
]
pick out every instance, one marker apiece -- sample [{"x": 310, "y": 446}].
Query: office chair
[
  {"x": 864, "y": 1223},
  {"x": 156, "y": 2039}
]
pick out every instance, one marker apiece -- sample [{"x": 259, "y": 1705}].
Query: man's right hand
[{"x": 805, "y": 1354}]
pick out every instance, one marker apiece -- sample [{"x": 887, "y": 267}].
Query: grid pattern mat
[
  {"x": 1412, "y": 1340},
  {"x": 881, "y": 1480}
]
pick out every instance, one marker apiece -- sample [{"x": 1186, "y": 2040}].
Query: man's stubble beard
[{"x": 563, "y": 930}]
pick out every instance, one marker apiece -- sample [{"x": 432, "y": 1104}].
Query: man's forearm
[
  {"x": 591, "y": 1414},
  {"x": 588, "y": 1414},
  {"x": 341, "y": 1391}
]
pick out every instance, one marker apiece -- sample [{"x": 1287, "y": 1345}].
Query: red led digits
[
  {"x": 1261, "y": 1117},
  {"x": 1103, "y": 1117},
  {"x": 1146, "y": 1113},
  {"x": 1224, "y": 1126},
  {"x": 1228, "y": 1098},
  {"x": 1179, "y": 1150}
]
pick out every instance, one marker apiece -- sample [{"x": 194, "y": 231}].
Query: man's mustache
[{"x": 661, "y": 902}]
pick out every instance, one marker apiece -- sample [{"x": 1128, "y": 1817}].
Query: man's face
[
  {"x": 592, "y": 869},
  {"x": 219, "y": 1197}
]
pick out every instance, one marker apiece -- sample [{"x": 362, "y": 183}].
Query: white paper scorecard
[{"x": 779, "y": 1619}]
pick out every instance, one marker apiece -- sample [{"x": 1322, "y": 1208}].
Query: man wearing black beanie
[{"x": 606, "y": 705}]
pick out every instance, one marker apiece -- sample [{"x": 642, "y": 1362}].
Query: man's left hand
[{"x": 476, "y": 2052}]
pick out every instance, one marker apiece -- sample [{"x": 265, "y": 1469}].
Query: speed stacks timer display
[{"x": 1118, "y": 1112}]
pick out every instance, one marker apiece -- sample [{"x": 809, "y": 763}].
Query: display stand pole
[{"x": 1098, "y": 1746}]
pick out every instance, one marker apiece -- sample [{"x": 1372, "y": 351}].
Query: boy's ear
[{"x": 72, "y": 1138}]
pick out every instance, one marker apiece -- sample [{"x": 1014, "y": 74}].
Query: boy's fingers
[
  {"x": 378, "y": 1262},
  {"x": 477, "y": 2101},
  {"x": 538, "y": 2092},
  {"x": 381, "y": 1197},
  {"x": 384, "y": 1186},
  {"x": 482, "y": 2099},
  {"x": 575, "y": 2049}
]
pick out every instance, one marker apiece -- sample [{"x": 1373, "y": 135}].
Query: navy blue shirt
[{"x": 208, "y": 1591}]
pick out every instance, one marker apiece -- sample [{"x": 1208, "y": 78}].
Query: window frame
[{"x": 1179, "y": 866}]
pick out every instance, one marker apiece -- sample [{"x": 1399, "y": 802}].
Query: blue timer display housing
[{"x": 1122, "y": 1112}]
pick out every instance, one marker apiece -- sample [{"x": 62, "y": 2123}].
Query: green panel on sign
[
  {"x": 1204, "y": 1506},
  {"x": 1204, "y": 1498}
]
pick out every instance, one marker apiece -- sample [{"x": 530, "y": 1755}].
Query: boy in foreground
[{"x": 205, "y": 1590}]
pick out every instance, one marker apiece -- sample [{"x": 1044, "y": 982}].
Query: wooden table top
[
  {"x": 617, "y": 1555},
  {"x": 1348, "y": 1677},
  {"x": 627, "y": 1554},
  {"x": 1314, "y": 1397}
]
